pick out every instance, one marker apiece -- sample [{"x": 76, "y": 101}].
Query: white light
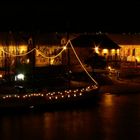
[
  {"x": 109, "y": 67},
  {"x": 31, "y": 106},
  {"x": 19, "y": 77},
  {"x": 96, "y": 49},
  {"x": 28, "y": 60},
  {"x": 0, "y": 75}
]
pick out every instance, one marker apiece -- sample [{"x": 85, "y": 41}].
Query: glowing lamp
[
  {"x": 64, "y": 47},
  {"x": 19, "y": 77},
  {"x": 0, "y": 75}
]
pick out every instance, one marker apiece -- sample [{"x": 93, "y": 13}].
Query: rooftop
[
  {"x": 125, "y": 39},
  {"x": 91, "y": 40}
]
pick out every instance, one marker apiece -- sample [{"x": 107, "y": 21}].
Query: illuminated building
[
  {"x": 88, "y": 44},
  {"x": 99, "y": 43},
  {"x": 20, "y": 49},
  {"x": 129, "y": 46},
  {"x": 23, "y": 51}
]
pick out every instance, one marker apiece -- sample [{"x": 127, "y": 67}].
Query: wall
[{"x": 130, "y": 53}]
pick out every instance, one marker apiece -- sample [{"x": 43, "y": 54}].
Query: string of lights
[
  {"x": 15, "y": 55},
  {"x": 52, "y": 57},
  {"x": 82, "y": 64},
  {"x": 53, "y": 95},
  {"x": 42, "y": 54}
]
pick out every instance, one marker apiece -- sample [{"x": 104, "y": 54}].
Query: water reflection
[
  {"x": 108, "y": 99},
  {"x": 72, "y": 125},
  {"x": 115, "y": 117}
]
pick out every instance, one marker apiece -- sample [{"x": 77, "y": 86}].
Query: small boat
[{"x": 46, "y": 99}]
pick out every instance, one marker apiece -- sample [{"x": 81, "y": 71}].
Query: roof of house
[
  {"x": 95, "y": 39},
  {"x": 125, "y": 39}
]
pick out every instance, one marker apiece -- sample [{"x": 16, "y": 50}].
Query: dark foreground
[
  {"x": 112, "y": 117},
  {"x": 115, "y": 115}
]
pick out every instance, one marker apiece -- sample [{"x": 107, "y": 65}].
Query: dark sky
[{"x": 75, "y": 16}]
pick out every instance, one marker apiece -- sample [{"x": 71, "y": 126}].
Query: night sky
[{"x": 74, "y": 16}]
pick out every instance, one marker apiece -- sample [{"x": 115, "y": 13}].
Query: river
[{"x": 112, "y": 117}]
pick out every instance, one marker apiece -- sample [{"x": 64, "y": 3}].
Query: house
[
  {"x": 86, "y": 45},
  {"x": 99, "y": 43},
  {"x": 129, "y": 46},
  {"x": 23, "y": 51},
  {"x": 13, "y": 45}
]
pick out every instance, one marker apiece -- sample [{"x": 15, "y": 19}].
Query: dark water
[{"x": 113, "y": 117}]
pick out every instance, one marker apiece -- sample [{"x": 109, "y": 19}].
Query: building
[
  {"x": 20, "y": 52},
  {"x": 129, "y": 46},
  {"x": 98, "y": 43},
  {"x": 86, "y": 45}
]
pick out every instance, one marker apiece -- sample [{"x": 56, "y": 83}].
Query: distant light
[
  {"x": 105, "y": 51},
  {"x": 1, "y": 76},
  {"x": 109, "y": 67},
  {"x": 52, "y": 61},
  {"x": 96, "y": 49},
  {"x": 19, "y": 77},
  {"x": 65, "y": 48},
  {"x": 118, "y": 50},
  {"x": 28, "y": 60},
  {"x": 31, "y": 107}
]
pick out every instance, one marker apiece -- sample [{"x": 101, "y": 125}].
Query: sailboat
[{"x": 48, "y": 99}]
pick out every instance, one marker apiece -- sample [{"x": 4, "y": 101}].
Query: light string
[
  {"x": 52, "y": 57},
  {"x": 66, "y": 94},
  {"x": 82, "y": 64},
  {"x": 42, "y": 54},
  {"x": 14, "y": 55}
]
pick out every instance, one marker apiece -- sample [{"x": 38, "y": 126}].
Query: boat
[
  {"x": 50, "y": 99},
  {"x": 47, "y": 100}
]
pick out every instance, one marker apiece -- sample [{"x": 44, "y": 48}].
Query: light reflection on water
[{"x": 113, "y": 118}]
